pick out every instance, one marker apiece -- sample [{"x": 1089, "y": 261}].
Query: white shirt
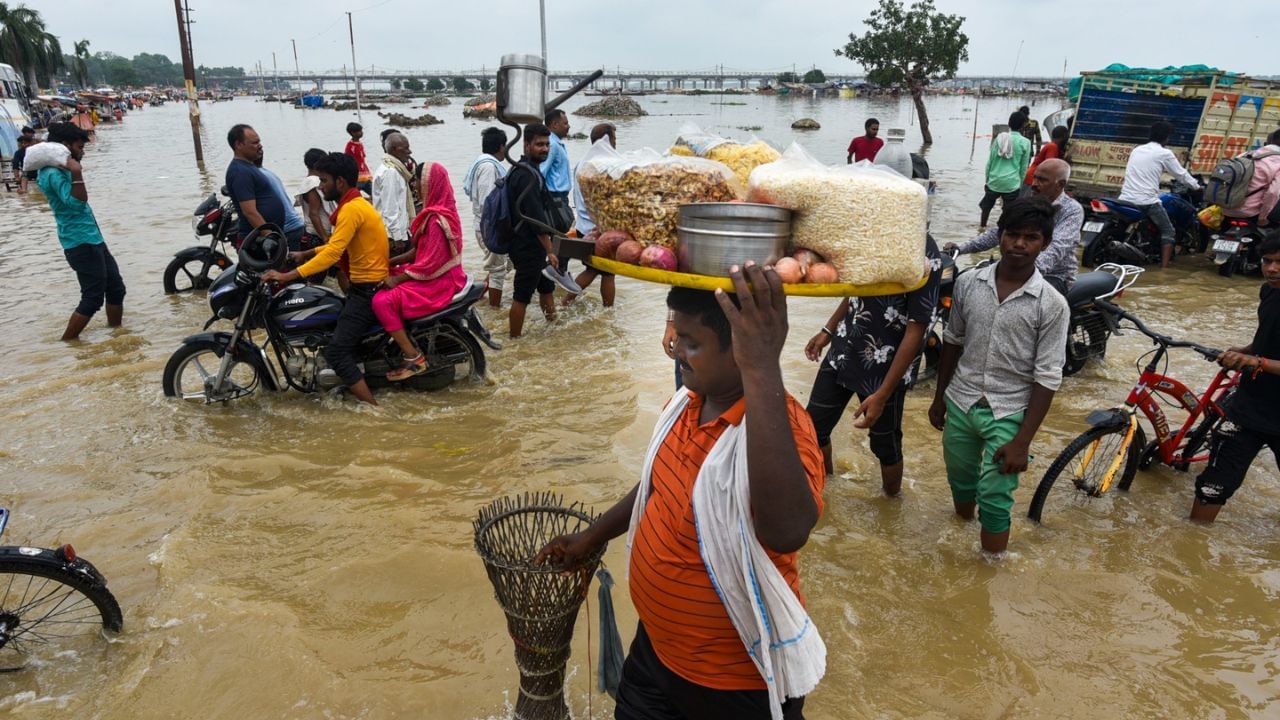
[
  {"x": 487, "y": 173},
  {"x": 1147, "y": 165},
  {"x": 388, "y": 199},
  {"x": 309, "y": 183}
]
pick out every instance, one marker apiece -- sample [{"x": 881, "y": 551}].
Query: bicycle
[
  {"x": 51, "y": 601},
  {"x": 1116, "y": 445}
]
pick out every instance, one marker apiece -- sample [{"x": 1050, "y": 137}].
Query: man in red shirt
[
  {"x": 355, "y": 148},
  {"x": 688, "y": 660},
  {"x": 865, "y": 147}
]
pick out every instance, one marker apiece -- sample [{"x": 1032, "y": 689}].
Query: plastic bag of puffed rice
[
  {"x": 867, "y": 221},
  {"x": 641, "y": 191}
]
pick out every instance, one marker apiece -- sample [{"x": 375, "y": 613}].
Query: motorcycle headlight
[{"x": 195, "y": 223}]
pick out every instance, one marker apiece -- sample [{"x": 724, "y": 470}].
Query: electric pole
[
  {"x": 351, "y": 33},
  {"x": 295, "y": 65},
  {"x": 189, "y": 75},
  {"x": 275, "y": 72}
]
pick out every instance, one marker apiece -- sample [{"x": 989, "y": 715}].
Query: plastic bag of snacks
[
  {"x": 868, "y": 222},
  {"x": 641, "y": 191},
  {"x": 741, "y": 158},
  {"x": 1211, "y": 217}
]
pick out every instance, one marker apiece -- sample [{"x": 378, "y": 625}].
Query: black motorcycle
[
  {"x": 1119, "y": 232},
  {"x": 1235, "y": 246},
  {"x": 297, "y": 322},
  {"x": 196, "y": 267},
  {"x": 1087, "y": 335}
]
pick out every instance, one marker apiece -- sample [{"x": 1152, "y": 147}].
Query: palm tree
[
  {"x": 82, "y": 63},
  {"x": 25, "y": 44}
]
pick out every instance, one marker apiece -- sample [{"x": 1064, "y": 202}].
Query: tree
[
  {"x": 462, "y": 84},
  {"x": 815, "y": 76},
  {"x": 395, "y": 83},
  {"x": 435, "y": 85},
  {"x": 909, "y": 47},
  {"x": 80, "y": 66},
  {"x": 27, "y": 46},
  {"x": 485, "y": 84},
  {"x": 787, "y": 77},
  {"x": 118, "y": 71},
  {"x": 155, "y": 69},
  {"x": 413, "y": 85}
]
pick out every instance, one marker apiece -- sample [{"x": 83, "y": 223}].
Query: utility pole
[
  {"x": 542, "y": 21},
  {"x": 189, "y": 75},
  {"x": 295, "y": 64},
  {"x": 275, "y": 72},
  {"x": 351, "y": 33}
]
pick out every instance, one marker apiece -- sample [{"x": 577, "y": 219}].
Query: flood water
[{"x": 294, "y": 556}]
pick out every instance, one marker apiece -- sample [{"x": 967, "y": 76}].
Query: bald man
[
  {"x": 392, "y": 196},
  {"x": 1057, "y": 262}
]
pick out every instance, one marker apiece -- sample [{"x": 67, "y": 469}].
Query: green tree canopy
[
  {"x": 462, "y": 84},
  {"x": 909, "y": 47},
  {"x": 80, "y": 64},
  {"x": 413, "y": 85},
  {"x": 27, "y": 45},
  {"x": 787, "y": 77},
  {"x": 435, "y": 85},
  {"x": 155, "y": 69},
  {"x": 815, "y": 76},
  {"x": 118, "y": 71}
]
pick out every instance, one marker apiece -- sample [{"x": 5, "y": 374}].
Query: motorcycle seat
[
  {"x": 1089, "y": 286},
  {"x": 1125, "y": 209},
  {"x": 471, "y": 292}
]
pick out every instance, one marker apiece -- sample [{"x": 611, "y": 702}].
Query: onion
[
  {"x": 607, "y": 244},
  {"x": 821, "y": 273},
  {"x": 658, "y": 257},
  {"x": 629, "y": 252},
  {"x": 806, "y": 258},
  {"x": 789, "y": 270}
]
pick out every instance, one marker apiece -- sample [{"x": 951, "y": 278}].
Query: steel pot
[
  {"x": 521, "y": 89},
  {"x": 716, "y": 236}
]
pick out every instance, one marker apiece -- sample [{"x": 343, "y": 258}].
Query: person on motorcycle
[
  {"x": 392, "y": 195},
  {"x": 1147, "y": 165},
  {"x": 1001, "y": 364},
  {"x": 1057, "y": 262},
  {"x": 1263, "y": 201},
  {"x": 426, "y": 284},
  {"x": 359, "y": 233},
  {"x": 1252, "y": 420},
  {"x": 257, "y": 193}
]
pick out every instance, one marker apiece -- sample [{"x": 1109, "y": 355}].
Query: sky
[{"x": 1023, "y": 37}]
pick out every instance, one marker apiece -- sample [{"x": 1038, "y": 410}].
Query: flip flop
[{"x": 409, "y": 368}]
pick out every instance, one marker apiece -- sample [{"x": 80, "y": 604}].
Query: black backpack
[{"x": 497, "y": 228}]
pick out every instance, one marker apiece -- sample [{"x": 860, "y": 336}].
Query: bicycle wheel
[
  {"x": 1088, "y": 459},
  {"x": 50, "y": 604}
]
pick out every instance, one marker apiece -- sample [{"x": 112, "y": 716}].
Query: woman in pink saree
[{"x": 427, "y": 284}]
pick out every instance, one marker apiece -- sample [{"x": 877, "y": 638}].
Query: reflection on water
[{"x": 292, "y": 556}]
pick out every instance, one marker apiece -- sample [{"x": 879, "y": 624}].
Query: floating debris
[
  {"x": 614, "y": 106},
  {"x": 396, "y": 119}
]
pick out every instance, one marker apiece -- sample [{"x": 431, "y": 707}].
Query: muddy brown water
[{"x": 295, "y": 556}]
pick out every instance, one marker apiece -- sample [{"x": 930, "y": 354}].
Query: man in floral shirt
[{"x": 874, "y": 345}]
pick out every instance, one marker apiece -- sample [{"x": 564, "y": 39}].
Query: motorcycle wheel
[
  {"x": 1099, "y": 251},
  {"x": 1228, "y": 268},
  {"x": 193, "y": 366},
  {"x": 184, "y": 275},
  {"x": 1080, "y": 338},
  {"x": 454, "y": 353}
]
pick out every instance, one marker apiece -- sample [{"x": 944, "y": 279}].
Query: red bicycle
[{"x": 1116, "y": 445}]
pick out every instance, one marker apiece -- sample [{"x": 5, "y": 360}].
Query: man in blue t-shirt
[
  {"x": 258, "y": 194},
  {"x": 80, "y": 236}
]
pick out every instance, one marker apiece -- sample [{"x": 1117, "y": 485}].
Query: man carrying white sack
[{"x": 705, "y": 590}]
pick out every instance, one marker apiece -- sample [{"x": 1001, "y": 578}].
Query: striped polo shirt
[{"x": 670, "y": 588}]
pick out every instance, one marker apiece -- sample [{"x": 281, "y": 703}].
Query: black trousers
[
  {"x": 828, "y": 401},
  {"x": 649, "y": 691},
  {"x": 353, "y": 322},
  {"x": 99, "y": 277},
  {"x": 1231, "y": 451}
]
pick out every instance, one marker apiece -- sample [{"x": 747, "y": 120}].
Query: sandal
[{"x": 409, "y": 368}]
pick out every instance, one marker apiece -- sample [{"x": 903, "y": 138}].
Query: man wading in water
[
  {"x": 702, "y": 482},
  {"x": 81, "y": 238}
]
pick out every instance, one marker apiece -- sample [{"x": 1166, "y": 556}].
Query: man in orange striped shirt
[{"x": 688, "y": 662}]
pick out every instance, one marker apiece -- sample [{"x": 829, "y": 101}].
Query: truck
[{"x": 1215, "y": 115}]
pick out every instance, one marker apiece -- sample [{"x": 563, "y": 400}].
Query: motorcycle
[
  {"x": 196, "y": 267},
  {"x": 1089, "y": 330},
  {"x": 298, "y": 322},
  {"x": 1235, "y": 246},
  {"x": 1120, "y": 232}
]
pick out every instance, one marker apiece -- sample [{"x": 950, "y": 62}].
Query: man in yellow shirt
[{"x": 359, "y": 232}]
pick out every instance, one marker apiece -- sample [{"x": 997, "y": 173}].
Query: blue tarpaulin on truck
[{"x": 1169, "y": 75}]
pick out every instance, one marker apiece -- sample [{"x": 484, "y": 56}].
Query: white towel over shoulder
[
  {"x": 1004, "y": 145},
  {"x": 775, "y": 629}
]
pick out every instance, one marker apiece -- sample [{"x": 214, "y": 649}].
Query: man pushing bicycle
[{"x": 1253, "y": 412}]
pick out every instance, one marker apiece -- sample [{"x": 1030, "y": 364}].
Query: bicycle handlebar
[{"x": 1163, "y": 340}]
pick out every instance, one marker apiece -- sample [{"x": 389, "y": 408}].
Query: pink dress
[{"x": 436, "y": 274}]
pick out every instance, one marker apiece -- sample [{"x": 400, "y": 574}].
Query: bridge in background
[{"x": 632, "y": 79}]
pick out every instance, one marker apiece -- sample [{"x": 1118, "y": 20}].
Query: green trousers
[{"x": 969, "y": 443}]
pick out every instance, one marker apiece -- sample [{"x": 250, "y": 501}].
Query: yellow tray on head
[{"x": 711, "y": 282}]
